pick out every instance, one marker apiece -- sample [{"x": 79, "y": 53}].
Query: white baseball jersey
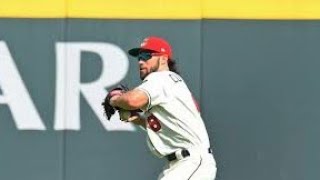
[{"x": 174, "y": 121}]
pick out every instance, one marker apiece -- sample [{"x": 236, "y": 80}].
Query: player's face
[{"x": 148, "y": 63}]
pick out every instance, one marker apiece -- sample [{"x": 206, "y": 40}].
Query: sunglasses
[{"x": 145, "y": 56}]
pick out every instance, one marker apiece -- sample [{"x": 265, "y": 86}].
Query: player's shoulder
[
  {"x": 159, "y": 75},
  {"x": 163, "y": 77}
]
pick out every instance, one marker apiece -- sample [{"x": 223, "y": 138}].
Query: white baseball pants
[{"x": 200, "y": 165}]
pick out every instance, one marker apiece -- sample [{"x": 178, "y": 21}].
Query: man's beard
[{"x": 152, "y": 69}]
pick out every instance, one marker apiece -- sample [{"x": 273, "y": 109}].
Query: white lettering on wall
[
  {"x": 68, "y": 84},
  {"x": 15, "y": 94}
]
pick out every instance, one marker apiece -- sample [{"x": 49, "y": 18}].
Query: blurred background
[{"x": 254, "y": 66}]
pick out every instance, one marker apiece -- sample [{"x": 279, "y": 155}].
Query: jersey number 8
[{"x": 154, "y": 123}]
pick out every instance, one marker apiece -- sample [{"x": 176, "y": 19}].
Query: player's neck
[{"x": 163, "y": 67}]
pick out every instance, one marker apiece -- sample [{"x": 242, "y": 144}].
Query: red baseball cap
[{"x": 155, "y": 44}]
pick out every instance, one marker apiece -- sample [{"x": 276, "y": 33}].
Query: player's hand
[
  {"x": 108, "y": 106},
  {"x": 114, "y": 95}
]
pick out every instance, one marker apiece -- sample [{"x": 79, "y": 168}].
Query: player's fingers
[
  {"x": 115, "y": 93},
  {"x": 114, "y": 97}
]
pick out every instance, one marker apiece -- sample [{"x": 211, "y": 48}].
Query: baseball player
[{"x": 170, "y": 115}]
